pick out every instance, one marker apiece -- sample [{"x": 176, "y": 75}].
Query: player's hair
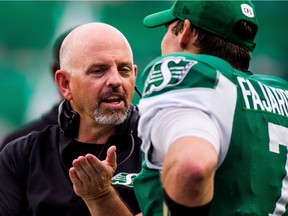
[{"x": 212, "y": 44}]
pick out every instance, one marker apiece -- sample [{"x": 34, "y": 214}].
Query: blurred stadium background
[{"x": 29, "y": 28}]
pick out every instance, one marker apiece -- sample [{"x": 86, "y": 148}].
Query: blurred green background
[{"x": 28, "y": 29}]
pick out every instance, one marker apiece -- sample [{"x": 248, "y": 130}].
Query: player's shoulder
[
  {"x": 180, "y": 63},
  {"x": 182, "y": 70},
  {"x": 201, "y": 59},
  {"x": 271, "y": 80}
]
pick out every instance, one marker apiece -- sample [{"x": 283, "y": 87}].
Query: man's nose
[{"x": 114, "y": 78}]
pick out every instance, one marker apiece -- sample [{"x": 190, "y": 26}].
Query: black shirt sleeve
[{"x": 12, "y": 187}]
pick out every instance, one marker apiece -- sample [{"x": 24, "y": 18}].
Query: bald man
[{"x": 39, "y": 171}]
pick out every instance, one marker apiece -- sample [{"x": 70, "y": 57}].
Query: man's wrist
[
  {"x": 100, "y": 197},
  {"x": 171, "y": 208}
]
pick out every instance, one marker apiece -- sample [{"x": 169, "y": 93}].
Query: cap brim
[{"x": 158, "y": 19}]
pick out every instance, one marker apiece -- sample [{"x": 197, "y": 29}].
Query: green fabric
[
  {"x": 218, "y": 17},
  {"x": 250, "y": 180},
  {"x": 158, "y": 78},
  {"x": 252, "y": 177},
  {"x": 148, "y": 191}
]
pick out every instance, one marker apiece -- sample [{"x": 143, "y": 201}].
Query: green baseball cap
[{"x": 217, "y": 17}]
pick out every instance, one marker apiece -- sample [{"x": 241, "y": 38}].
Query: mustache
[{"x": 112, "y": 92}]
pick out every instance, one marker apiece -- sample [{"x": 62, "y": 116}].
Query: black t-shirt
[{"x": 34, "y": 173}]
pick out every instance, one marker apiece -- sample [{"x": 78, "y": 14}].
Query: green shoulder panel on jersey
[
  {"x": 182, "y": 70},
  {"x": 271, "y": 80}
]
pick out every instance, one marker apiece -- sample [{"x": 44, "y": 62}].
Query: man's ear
[
  {"x": 135, "y": 69},
  {"x": 62, "y": 79},
  {"x": 187, "y": 35}
]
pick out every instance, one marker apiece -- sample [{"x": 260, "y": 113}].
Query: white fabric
[
  {"x": 171, "y": 124},
  {"x": 218, "y": 103}
]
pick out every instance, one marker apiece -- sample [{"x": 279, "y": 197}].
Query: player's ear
[
  {"x": 187, "y": 34},
  {"x": 62, "y": 79}
]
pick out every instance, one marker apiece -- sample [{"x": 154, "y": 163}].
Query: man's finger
[
  {"x": 74, "y": 178},
  {"x": 80, "y": 166},
  {"x": 111, "y": 158}
]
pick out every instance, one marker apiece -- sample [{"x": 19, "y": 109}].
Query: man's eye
[
  {"x": 98, "y": 70},
  {"x": 125, "y": 70}
]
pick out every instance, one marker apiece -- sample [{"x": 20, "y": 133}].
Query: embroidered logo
[
  {"x": 167, "y": 72},
  {"x": 185, "y": 10},
  {"x": 247, "y": 10},
  {"x": 124, "y": 179}
]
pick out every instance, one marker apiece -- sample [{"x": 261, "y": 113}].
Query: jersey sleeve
[
  {"x": 186, "y": 82},
  {"x": 175, "y": 123}
]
